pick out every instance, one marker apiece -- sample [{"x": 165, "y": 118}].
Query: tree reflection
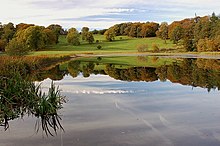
[{"x": 203, "y": 73}]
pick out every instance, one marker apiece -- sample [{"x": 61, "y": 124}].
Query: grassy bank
[{"x": 121, "y": 44}]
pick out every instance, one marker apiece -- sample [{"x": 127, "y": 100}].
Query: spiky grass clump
[{"x": 19, "y": 96}]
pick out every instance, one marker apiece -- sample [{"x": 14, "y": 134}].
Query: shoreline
[{"x": 168, "y": 55}]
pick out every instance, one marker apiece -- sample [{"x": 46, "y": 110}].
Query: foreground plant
[{"x": 19, "y": 96}]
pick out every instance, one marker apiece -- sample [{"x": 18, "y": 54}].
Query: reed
[{"x": 19, "y": 96}]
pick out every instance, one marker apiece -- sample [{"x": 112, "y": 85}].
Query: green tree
[
  {"x": 8, "y": 31},
  {"x": 57, "y": 29},
  {"x": 133, "y": 31},
  {"x": 16, "y": 47},
  {"x": 1, "y": 29},
  {"x": 188, "y": 39},
  {"x": 110, "y": 34},
  {"x": 176, "y": 34},
  {"x": 3, "y": 44},
  {"x": 163, "y": 31},
  {"x": 73, "y": 37},
  {"x": 51, "y": 36},
  {"x": 34, "y": 37},
  {"x": 84, "y": 33},
  {"x": 89, "y": 37}
]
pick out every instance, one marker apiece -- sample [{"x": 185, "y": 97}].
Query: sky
[{"x": 99, "y": 14}]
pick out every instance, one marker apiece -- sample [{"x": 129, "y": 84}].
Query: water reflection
[
  {"x": 119, "y": 101},
  {"x": 203, "y": 73}
]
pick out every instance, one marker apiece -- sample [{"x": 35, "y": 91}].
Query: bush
[
  {"x": 99, "y": 47},
  {"x": 97, "y": 41},
  {"x": 16, "y": 48},
  {"x": 99, "y": 58},
  {"x": 142, "y": 48},
  {"x": 155, "y": 48}
]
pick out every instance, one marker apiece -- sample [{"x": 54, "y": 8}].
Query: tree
[
  {"x": 16, "y": 47},
  {"x": 163, "y": 31},
  {"x": 1, "y": 29},
  {"x": 8, "y": 31},
  {"x": 214, "y": 18},
  {"x": 102, "y": 32},
  {"x": 89, "y": 37},
  {"x": 51, "y": 36},
  {"x": 3, "y": 44},
  {"x": 73, "y": 37},
  {"x": 95, "y": 31},
  {"x": 23, "y": 26},
  {"x": 57, "y": 29},
  {"x": 133, "y": 31},
  {"x": 34, "y": 37},
  {"x": 149, "y": 29},
  {"x": 84, "y": 32},
  {"x": 189, "y": 42},
  {"x": 110, "y": 34},
  {"x": 176, "y": 34}
]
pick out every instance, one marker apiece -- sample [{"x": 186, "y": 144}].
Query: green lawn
[{"x": 121, "y": 44}]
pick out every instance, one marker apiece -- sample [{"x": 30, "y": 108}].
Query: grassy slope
[{"x": 125, "y": 45}]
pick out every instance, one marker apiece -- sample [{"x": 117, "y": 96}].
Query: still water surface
[{"x": 174, "y": 104}]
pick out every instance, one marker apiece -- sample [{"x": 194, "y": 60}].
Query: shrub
[
  {"x": 142, "y": 48},
  {"x": 99, "y": 47},
  {"x": 99, "y": 58},
  {"x": 155, "y": 48},
  {"x": 97, "y": 41},
  {"x": 16, "y": 48}
]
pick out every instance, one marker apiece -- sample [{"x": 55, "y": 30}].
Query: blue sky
[{"x": 100, "y": 13}]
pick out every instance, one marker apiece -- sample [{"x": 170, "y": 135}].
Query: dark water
[{"x": 155, "y": 102}]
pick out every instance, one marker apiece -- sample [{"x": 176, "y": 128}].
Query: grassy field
[{"x": 121, "y": 44}]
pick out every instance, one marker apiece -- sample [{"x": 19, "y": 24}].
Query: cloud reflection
[{"x": 102, "y": 92}]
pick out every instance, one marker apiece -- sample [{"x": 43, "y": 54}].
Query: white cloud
[{"x": 45, "y": 12}]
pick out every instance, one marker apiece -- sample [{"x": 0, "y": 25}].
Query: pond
[{"x": 127, "y": 101}]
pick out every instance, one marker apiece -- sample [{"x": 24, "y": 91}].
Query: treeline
[
  {"x": 197, "y": 34},
  {"x": 194, "y": 34},
  {"x": 137, "y": 29},
  {"x": 23, "y": 37}
]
